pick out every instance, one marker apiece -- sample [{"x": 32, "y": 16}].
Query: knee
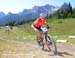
[{"x": 39, "y": 35}]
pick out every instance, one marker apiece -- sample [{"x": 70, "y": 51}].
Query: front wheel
[{"x": 51, "y": 43}]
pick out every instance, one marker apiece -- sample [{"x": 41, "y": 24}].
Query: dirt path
[{"x": 13, "y": 49}]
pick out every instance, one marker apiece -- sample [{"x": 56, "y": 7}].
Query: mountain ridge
[{"x": 29, "y": 14}]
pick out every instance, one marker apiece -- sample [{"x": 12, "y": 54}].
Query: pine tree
[
  {"x": 69, "y": 11},
  {"x": 73, "y": 15}
]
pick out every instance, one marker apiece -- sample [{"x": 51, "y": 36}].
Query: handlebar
[{"x": 44, "y": 29}]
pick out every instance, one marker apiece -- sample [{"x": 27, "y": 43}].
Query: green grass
[
  {"x": 60, "y": 27},
  {"x": 65, "y": 37}
]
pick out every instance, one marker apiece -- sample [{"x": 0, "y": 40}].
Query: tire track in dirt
[{"x": 19, "y": 49}]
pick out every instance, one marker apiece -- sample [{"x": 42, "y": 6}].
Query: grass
[
  {"x": 62, "y": 27},
  {"x": 16, "y": 34},
  {"x": 59, "y": 27},
  {"x": 65, "y": 37}
]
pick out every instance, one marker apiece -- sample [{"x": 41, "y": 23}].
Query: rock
[
  {"x": 64, "y": 41},
  {"x": 71, "y": 36}
]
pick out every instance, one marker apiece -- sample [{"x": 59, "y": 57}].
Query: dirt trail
[{"x": 24, "y": 50}]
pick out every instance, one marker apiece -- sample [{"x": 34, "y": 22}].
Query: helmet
[{"x": 42, "y": 15}]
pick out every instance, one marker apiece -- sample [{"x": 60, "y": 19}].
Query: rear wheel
[{"x": 40, "y": 43}]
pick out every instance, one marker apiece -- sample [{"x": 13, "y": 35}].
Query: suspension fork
[{"x": 47, "y": 42}]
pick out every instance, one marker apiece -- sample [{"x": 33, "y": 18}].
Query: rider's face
[{"x": 42, "y": 16}]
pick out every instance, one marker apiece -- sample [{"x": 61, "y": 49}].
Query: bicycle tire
[
  {"x": 40, "y": 43},
  {"x": 53, "y": 44}
]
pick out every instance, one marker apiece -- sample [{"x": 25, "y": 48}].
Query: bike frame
[{"x": 45, "y": 32}]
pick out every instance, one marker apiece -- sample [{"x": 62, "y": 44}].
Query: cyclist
[{"x": 36, "y": 26}]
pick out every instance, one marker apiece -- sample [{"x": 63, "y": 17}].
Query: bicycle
[{"x": 50, "y": 41}]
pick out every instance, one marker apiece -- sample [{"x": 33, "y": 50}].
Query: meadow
[
  {"x": 19, "y": 41},
  {"x": 62, "y": 28}
]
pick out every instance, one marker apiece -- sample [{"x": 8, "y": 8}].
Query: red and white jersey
[{"x": 40, "y": 21}]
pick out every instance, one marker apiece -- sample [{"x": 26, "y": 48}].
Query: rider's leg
[
  {"x": 38, "y": 36},
  {"x": 48, "y": 45},
  {"x": 42, "y": 37},
  {"x": 37, "y": 31},
  {"x": 40, "y": 40}
]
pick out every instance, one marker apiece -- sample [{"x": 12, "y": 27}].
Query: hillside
[
  {"x": 20, "y": 42},
  {"x": 62, "y": 26},
  {"x": 59, "y": 27}
]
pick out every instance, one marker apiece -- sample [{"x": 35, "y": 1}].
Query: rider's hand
[
  {"x": 48, "y": 27},
  {"x": 37, "y": 31}
]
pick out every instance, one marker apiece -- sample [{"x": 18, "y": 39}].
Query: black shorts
[{"x": 38, "y": 28}]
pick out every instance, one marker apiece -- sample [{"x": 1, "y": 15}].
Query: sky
[{"x": 16, "y": 6}]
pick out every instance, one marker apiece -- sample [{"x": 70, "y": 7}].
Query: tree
[
  {"x": 64, "y": 13},
  {"x": 73, "y": 15},
  {"x": 69, "y": 11}
]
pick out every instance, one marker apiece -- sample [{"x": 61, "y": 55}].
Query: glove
[{"x": 48, "y": 27}]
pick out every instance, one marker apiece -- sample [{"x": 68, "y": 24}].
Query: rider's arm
[
  {"x": 46, "y": 24},
  {"x": 33, "y": 26}
]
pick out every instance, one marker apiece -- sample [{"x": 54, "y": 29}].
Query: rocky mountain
[
  {"x": 2, "y": 14},
  {"x": 36, "y": 10},
  {"x": 64, "y": 6},
  {"x": 29, "y": 14}
]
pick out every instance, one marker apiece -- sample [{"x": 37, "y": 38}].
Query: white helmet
[{"x": 42, "y": 15}]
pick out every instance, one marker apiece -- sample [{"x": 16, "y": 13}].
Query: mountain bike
[{"x": 47, "y": 40}]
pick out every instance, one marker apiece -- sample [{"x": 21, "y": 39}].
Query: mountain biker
[{"x": 36, "y": 26}]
